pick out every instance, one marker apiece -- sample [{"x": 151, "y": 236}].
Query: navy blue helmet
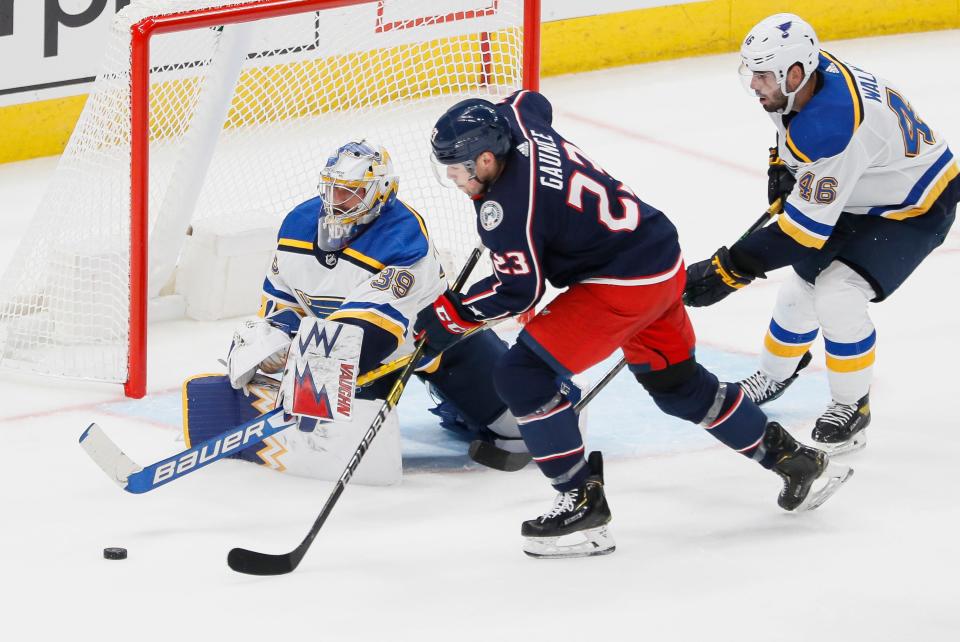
[{"x": 468, "y": 129}]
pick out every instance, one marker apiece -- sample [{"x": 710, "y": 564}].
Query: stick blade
[
  {"x": 108, "y": 456},
  {"x": 491, "y": 456},
  {"x": 242, "y": 560}
]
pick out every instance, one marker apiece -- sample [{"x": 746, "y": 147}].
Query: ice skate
[
  {"x": 761, "y": 388},
  {"x": 576, "y": 526},
  {"x": 842, "y": 428},
  {"x": 809, "y": 477}
]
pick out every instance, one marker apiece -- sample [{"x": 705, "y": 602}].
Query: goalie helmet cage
[{"x": 225, "y": 110}]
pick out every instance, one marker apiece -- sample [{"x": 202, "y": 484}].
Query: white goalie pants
[{"x": 837, "y": 304}]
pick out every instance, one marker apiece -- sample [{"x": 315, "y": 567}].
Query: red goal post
[{"x": 408, "y": 60}]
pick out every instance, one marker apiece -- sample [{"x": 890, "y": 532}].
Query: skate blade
[
  {"x": 844, "y": 447},
  {"x": 594, "y": 541},
  {"x": 833, "y": 477}
]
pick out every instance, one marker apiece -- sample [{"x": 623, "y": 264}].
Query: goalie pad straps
[{"x": 320, "y": 376}]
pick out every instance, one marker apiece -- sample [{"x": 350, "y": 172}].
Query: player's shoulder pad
[
  {"x": 826, "y": 124},
  {"x": 398, "y": 237},
  {"x": 300, "y": 224},
  {"x": 531, "y": 105}
]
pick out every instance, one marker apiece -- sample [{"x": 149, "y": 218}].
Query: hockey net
[{"x": 229, "y": 108}]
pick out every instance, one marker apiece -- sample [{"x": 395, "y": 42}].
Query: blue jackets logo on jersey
[{"x": 491, "y": 214}]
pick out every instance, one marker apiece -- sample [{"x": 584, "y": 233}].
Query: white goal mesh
[{"x": 241, "y": 118}]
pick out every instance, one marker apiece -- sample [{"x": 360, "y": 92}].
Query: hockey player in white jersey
[
  {"x": 354, "y": 255},
  {"x": 869, "y": 190}
]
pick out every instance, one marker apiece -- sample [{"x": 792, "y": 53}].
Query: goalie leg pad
[
  {"x": 211, "y": 405},
  {"x": 325, "y": 452},
  {"x": 319, "y": 450}
]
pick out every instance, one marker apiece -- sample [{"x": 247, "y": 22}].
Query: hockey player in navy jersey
[
  {"x": 548, "y": 212},
  {"x": 870, "y": 189},
  {"x": 357, "y": 255}
]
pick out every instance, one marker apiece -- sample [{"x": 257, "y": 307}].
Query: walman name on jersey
[{"x": 868, "y": 83}]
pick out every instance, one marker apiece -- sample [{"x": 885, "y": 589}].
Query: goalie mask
[
  {"x": 356, "y": 184},
  {"x": 773, "y": 46}
]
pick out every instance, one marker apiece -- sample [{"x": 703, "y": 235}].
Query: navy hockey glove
[
  {"x": 780, "y": 181},
  {"x": 713, "y": 279},
  {"x": 443, "y": 323}
]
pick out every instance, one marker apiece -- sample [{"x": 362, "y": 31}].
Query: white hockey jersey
[
  {"x": 385, "y": 277},
  {"x": 857, "y": 146}
]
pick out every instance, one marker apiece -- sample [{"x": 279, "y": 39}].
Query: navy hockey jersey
[{"x": 555, "y": 215}]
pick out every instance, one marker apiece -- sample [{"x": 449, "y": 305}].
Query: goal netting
[{"x": 244, "y": 101}]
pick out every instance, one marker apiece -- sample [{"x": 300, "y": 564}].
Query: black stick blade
[
  {"x": 253, "y": 563},
  {"x": 491, "y": 456}
]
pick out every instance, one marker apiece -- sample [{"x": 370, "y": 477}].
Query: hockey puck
[{"x": 114, "y": 553}]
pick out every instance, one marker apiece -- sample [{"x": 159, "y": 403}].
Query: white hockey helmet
[
  {"x": 774, "y": 45},
  {"x": 355, "y": 185}
]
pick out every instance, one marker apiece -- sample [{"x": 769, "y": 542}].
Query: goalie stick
[
  {"x": 488, "y": 454},
  {"x": 137, "y": 479},
  {"x": 254, "y": 563}
]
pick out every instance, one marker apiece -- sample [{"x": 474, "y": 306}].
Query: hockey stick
[
  {"x": 253, "y": 563},
  {"x": 489, "y": 455},
  {"x": 137, "y": 479},
  {"x": 775, "y": 208},
  {"x": 399, "y": 362}
]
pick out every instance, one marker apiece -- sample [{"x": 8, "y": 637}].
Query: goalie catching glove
[
  {"x": 443, "y": 323},
  {"x": 712, "y": 280},
  {"x": 256, "y": 345}
]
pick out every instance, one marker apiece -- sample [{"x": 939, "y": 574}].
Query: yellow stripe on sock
[
  {"x": 851, "y": 365},
  {"x": 778, "y": 349}
]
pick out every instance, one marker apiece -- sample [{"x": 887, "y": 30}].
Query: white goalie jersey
[
  {"x": 857, "y": 146},
  {"x": 386, "y": 275}
]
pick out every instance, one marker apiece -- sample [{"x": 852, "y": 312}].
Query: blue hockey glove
[
  {"x": 712, "y": 280},
  {"x": 443, "y": 323}
]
